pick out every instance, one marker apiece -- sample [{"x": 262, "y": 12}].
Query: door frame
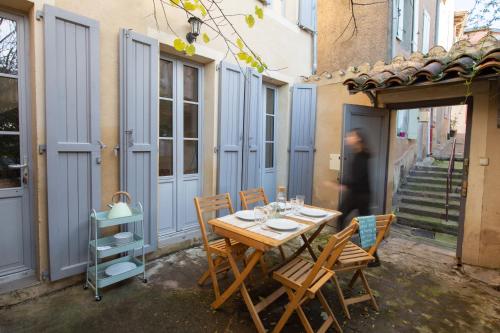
[
  {"x": 177, "y": 234},
  {"x": 25, "y": 113},
  {"x": 342, "y": 152},
  {"x": 467, "y": 100},
  {"x": 263, "y": 117}
]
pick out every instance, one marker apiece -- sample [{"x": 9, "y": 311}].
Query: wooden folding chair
[
  {"x": 256, "y": 196},
  {"x": 303, "y": 279},
  {"x": 216, "y": 250},
  {"x": 354, "y": 259}
]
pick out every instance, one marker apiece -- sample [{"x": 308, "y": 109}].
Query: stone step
[
  {"x": 430, "y": 202},
  {"x": 429, "y": 187},
  {"x": 428, "y": 223},
  {"x": 426, "y": 194},
  {"x": 434, "y": 174},
  {"x": 435, "y": 169},
  {"x": 436, "y": 212},
  {"x": 430, "y": 180}
]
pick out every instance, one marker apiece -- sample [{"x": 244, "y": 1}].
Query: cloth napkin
[
  {"x": 309, "y": 218},
  {"x": 275, "y": 234},
  {"x": 367, "y": 230},
  {"x": 235, "y": 221}
]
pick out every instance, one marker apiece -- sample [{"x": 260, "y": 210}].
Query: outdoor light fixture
[{"x": 195, "y": 29}]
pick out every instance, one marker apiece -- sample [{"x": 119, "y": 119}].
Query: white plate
[
  {"x": 313, "y": 212},
  {"x": 246, "y": 215},
  {"x": 103, "y": 248},
  {"x": 119, "y": 268},
  {"x": 282, "y": 224},
  {"x": 123, "y": 237}
]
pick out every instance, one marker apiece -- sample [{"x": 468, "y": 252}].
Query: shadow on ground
[{"x": 416, "y": 287}]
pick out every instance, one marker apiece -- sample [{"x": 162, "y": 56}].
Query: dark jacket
[{"x": 357, "y": 177}]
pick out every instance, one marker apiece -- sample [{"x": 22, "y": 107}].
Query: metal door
[
  {"x": 375, "y": 124},
  {"x": 73, "y": 134},
  {"x": 252, "y": 140},
  {"x": 302, "y": 136},
  {"x": 231, "y": 98},
  {"x": 16, "y": 243},
  {"x": 139, "y": 126}
]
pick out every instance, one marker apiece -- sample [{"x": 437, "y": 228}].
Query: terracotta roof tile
[{"x": 463, "y": 60}]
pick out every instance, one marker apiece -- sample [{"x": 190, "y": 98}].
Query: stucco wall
[
  {"x": 276, "y": 39},
  {"x": 481, "y": 241},
  {"x": 368, "y": 45},
  {"x": 329, "y": 120}
]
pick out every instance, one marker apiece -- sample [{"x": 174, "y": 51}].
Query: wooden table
[{"x": 261, "y": 244}]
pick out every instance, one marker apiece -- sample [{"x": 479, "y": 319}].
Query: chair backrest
[
  {"x": 330, "y": 253},
  {"x": 211, "y": 204},
  {"x": 252, "y": 196},
  {"x": 383, "y": 224}
]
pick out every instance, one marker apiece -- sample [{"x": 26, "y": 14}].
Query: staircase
[{"x": 422, "y": 200}]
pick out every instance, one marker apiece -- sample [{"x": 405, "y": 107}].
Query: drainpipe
[
  {"x": 315, "y": 52},
  {"x": 390, "y": 32}
]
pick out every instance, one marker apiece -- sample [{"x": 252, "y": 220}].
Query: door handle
[
  {"x": 101, "y": 144},
  {"x": 18, "y": 166}
]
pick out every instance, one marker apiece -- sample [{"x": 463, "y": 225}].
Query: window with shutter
[
  {"x": 400, "y": 15},
  {"x": 307, "y": 14},
  {"x": 414, "y": 44}
]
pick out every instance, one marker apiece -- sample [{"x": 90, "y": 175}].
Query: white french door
[
  {"x": 16, "y": 239},
  {"x": 179, "y": 163},
  {"x": 269, "y": 112}
]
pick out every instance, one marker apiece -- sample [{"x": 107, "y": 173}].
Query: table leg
[
  {"x": 239, "y": 282},
  {"x": 307, "y": 244}
]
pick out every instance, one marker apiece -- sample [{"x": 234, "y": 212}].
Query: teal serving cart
[{"x": 104, "y": 247}]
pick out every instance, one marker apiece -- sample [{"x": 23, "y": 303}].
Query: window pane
[
  {"x": 9, "y": 154},
  {"x": 166, "y": 78},
  {"x": 269, "y": 101},
  {"x": 269, "y": 155},
  {"x": 190, "y": 120},
  {"x": 8, "y": 46},
  {"x": 190, "y": 156},
  {"x": 9, "y": 112},
  {"x": 166, "y": 160},
  {"x": 190, "y": 84},
  {"x": 166, "y": 120},
  {"x": 269, "y": 128}
]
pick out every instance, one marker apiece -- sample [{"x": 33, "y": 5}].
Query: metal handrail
[{"x": 449, "y": 177}]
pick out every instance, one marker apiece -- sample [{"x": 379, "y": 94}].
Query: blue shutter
[
  {"x": 302, "y": 138},
  {"x": 307, "y": 14},
  {"x": 252, "y": 140},
  {"x": 139, "y": 125},
  {"x": 231, "y": 97},
  {"x": 73, "y": 131},
  {"x": 413, "y": 123}
]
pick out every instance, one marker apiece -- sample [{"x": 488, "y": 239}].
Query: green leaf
[
  {"x": 175, "y": 2},
  {"x": 242, "y": 56},
  {"x": 202, "y": 10},
  {"x": 189, "y": 6},
  {"x": 259, "y": 12},
  {"x": 249, "y": 59},
  {"x": 205, "y": 37},
  {"x": 264, "y": 65},
  {"x": 190, "y": 49},
  {"x": 250, "y": 20},
  {"x": 179, "y": 44},
  {"x": 255, "y": 64},
  {"x": 260, "y": 69},
  {"x": 240, "y": 44}
]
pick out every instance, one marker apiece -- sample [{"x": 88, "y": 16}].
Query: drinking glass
[
  {"x": 300, "y": 201},
  {"x": 294, "y": 206},
  {"x": 261, "y": 214}
]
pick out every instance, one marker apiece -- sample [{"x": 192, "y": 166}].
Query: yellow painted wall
[
  {"x": 329, "y": 123},
  {"x": 277, "y": 39},
  {"x": 481, "y": 241}
]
